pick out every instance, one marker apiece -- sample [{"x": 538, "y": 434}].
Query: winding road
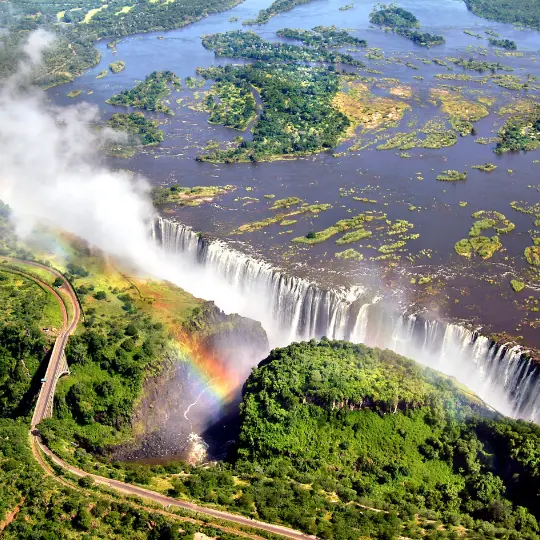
[{"x": 68, "y": 327}]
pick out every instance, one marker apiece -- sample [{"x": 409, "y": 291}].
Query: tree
[{"x": 58, "y": 282}]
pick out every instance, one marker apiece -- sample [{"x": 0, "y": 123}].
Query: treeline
[
  {"x": 394, "y": 17},
  {"x": 238, "y": 44},
  {"x": 278, "y": 6},
  {"x": 524, "y": 12},
  {"x": 507, "y": 44},
  {"x": 297, "y": 117},
  {"x": 424, "y": 39},
  {"x": 322, "y": 36},
  {"x": 403, "y": 23}
]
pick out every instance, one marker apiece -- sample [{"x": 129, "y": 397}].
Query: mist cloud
[{"x": 52, "y": 173}]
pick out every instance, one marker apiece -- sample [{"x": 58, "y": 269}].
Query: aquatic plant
[{"x": 452, "y": 176}]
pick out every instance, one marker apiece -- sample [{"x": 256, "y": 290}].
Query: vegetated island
[
  {"x": 278, "y": 6},
  {"x": 522, "y": 12},
  {"x": 404, "y": 23},
  {"x": 296, "y": 96},
  {"x": 188, "y": 196},
  {"x": 507, "y": 44},
  {"x": 322, "y": 36},
  {"x": 238, "y": 44},
  {"x": 140, "y": 130},
  {"x": 117, "y": 67},
  {"x": 149, "y": 94}
]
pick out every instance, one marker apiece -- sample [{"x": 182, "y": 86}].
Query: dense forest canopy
[
  {"x": 383, "y": 430},
  {"x": 524, "y": 12}
]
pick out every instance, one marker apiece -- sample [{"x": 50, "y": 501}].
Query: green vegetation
[
  {"x": 74, "y": 93},
  {"x": 279, "y": 218},
  {"x": 504, "y": 43},
  {"x": 26, "y": 310},
  {"x": 278, "y": 6},
  {"x": 480, "y": 245},
  {"x": 102, "y": 74},
  {"x": 425, "y": 39},
  {"x": 341, "y": 226},
  {"x": 78, "y": 24},
  {"x": 523, "y": 12},
  {"x": 368, "y": 429},
  {"x": 452, "y": 176},
  {"x": 518, "y": 286},
  {"x": 520, "y": 132},
  {"x": 297, "y": 118},
  {"x": 486, "y": 167},
  {"x": 532, "y": 255},
  {"x": 238, "y": 44},
  {"x": 403, "y": 22},
  {"x": 30, "y": 502},
  {"x": 394, "y": 17},
  {"x": 479, "y": 65},
  {"x": 139, "y": 129},
  {"x": 235, "y": 106},
  {"x": 350, "y": 254},
  {"x": 186, "y": 196},
  {"x": 148, "y": 94},
  {"x": 322, "y": 36},
  {"x": 117, "y": 67}
]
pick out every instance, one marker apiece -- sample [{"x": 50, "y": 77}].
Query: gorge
[{"x": 294, "y": 309}]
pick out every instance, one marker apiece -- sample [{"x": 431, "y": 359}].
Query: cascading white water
[{"x": 294, "y": 309}]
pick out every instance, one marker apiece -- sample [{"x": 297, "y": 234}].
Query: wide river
[{"x": 477, "y": 291}]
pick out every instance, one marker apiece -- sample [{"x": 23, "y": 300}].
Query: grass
[
  {"x": 451, "y": 176},
  {"x": 74, "y": 93},
  {"x": 486, "y": 167},
  {"x": 102, "y": 74},
  {"x": 16, "y": 289},
  {"x": 518, "y": 286},
  {"x": 92, "y": 12},
  {"x": 367, "y": 110},
  {"x": 354, "y": 236},
  {"x": 350, "y": 254},
  {"x": 532, "y": 255},
  {"x": 321, "y": 236},
  {"x": 258, "y": 225},
  {"x": 189, "y": 196}
]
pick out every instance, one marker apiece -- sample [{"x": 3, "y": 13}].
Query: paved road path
[{"x": 67, "y": 328}]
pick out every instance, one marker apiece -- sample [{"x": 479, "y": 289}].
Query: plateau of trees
[{"x": 381, "y": 430}]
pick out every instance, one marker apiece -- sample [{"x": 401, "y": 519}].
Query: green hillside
[{"x": 369, "y": 427}]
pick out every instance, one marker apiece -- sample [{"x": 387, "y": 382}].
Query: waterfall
[{"x": 295, "y": 309}]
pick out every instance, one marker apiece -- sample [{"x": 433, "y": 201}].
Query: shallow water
[{"x": 477, "y": 291}]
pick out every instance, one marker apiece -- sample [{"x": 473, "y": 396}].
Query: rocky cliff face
[{"x": 216, "y": 355}]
